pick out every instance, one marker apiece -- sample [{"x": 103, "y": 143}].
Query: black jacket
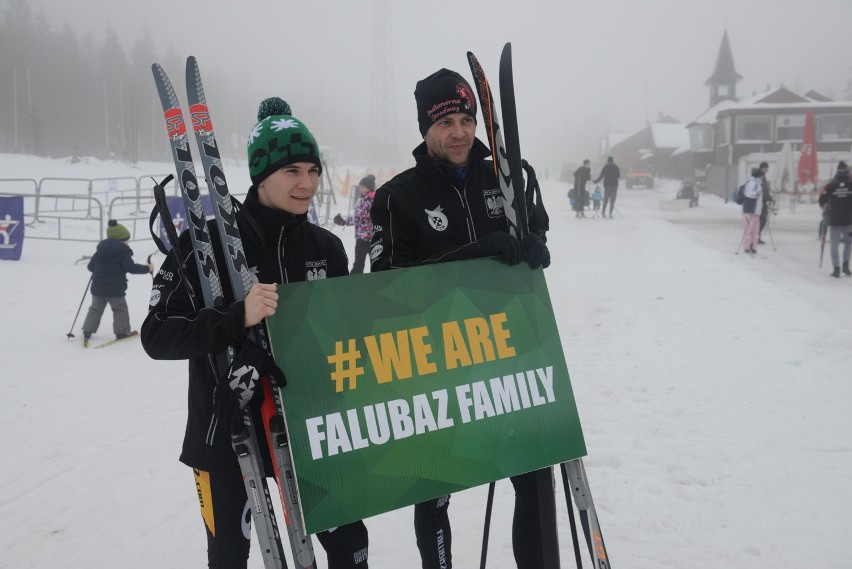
[
  {"x": 610, "y": 175},
  {"x": 837, "y": 196},
  {"x": 289, "y": 249},
  {"x": 426, "y": 215},
  {"x": 112, "y": 260}
]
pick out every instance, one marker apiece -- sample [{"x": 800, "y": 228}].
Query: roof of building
[{"x": 669, "y": 135}]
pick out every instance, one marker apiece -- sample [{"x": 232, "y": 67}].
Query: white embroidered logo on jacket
[
  {"x": 494, "y": 203},
  {"x": 436, "y": 218},
  {"x": 316, "y": 270}
]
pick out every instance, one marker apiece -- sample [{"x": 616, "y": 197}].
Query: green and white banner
[{"x": 410, "y": 384}]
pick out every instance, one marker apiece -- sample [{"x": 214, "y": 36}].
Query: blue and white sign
[
  {"x": 179, "y": 217},
  {"x": 11, "y": 227}
]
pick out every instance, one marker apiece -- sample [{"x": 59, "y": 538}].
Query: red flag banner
[{"x": 808, "y": 171}]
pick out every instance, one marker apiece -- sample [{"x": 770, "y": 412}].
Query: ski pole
[
  {"x": 70, "y": 333},
  {"x": 574, "y": 539},
  {"x": 771, "y": 237},
  {"x": 487, "y": 528}
]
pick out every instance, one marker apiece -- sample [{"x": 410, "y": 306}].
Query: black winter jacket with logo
[
  {"x": 426, "y": 215},
  {"x": 838, "y": 196},
  {"x": 177, "y": 328}
]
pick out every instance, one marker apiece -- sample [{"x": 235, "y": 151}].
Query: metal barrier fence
[{"x": 78, "y": 208}]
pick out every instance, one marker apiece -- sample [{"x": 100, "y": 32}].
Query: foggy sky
[{"x": 582, "y": 69}]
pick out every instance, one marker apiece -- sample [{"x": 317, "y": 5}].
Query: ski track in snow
[{"x": 711, "y": 386}]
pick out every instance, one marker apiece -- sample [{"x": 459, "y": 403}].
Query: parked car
[{"x": 639, "y": 175}]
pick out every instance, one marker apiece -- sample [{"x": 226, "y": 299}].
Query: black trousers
[
  {"x": 434, "y": 537},
  {"x": 609, "y": 197},
  {"x": 362, "y": 249},
  {"x": 227, "y": 520}
]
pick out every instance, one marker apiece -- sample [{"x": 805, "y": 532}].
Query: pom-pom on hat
[
  {"x": 442, "y": 93},
  {"x": 115, "y": 230},
  {"x": 369, "y": 182},
  {"x": 278, "y": 139}
]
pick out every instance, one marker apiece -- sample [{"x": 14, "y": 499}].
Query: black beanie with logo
[{"x": 442, "y": 93}]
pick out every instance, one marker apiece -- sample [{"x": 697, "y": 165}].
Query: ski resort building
[{"x": 734, "y": 134}]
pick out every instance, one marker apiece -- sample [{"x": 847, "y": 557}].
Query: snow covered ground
[{"x": 713, "y": 389}]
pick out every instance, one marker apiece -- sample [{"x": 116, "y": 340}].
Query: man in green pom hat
[{"x": 280, "y": 246}]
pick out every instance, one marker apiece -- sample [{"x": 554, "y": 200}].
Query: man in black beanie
[
  {"x": 448, "y": 207},
  {"x": 836, "y": 199},
  {"x": 767, "y": 201}
]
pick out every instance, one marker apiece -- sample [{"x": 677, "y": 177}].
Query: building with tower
[{"x": 735, "y": 133}]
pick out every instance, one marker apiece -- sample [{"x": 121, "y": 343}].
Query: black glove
[
  {"x": 234, "y": 393},
  {"x": 338, "y": 220},
  {"x": 503, "y": 245},
  {"x": 536, "y": 252}
]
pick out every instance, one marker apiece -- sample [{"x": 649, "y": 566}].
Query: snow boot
[
  {"x": 846, "y": 270},
  {"x": 836, "y": 273}
]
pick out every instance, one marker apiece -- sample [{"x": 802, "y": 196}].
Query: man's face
[
  {"x": 290, "y": 188},
  {"x": 450, "y": 138}
]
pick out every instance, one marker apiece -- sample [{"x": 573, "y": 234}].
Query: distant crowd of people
[
  {"x": 580, "y": 197},
  {"x": 835, "y": 199}
]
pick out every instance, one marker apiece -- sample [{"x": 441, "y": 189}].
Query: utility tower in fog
[{"x": 383, "y": 143}]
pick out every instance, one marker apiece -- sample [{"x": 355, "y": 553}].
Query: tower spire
[{"x": 723, "y": 82}]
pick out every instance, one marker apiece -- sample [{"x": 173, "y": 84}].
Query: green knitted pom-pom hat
[{"x": 278, "y": 139}]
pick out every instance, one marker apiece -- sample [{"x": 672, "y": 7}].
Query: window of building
[
  {"x": 752, "y": 128},
  {"x": 789, "y": 127},
  {"x": 701, "y": 138},
  {"x": 834, "y": 127}
]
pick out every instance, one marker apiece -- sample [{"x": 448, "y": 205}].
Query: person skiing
[
  {"x": 752, "y": 206},
  {"x": 448, "y": 207},
  {"x": 361, "y": 220},
  {"x": 610, "y": 175},
  {"x": 112, "y": 261},
  {"x": 581, "y": 175},
  {"x": 280, "y": 246},
  {"x": 835, "y": 198}
]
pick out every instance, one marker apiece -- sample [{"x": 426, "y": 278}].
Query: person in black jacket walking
[
  {"x": 112, "y": 261},
  {"x": 836, "y": 199},
  {"x": 581, "y": 175},
  {"x": 448, "y": 207},
  {"x": 281, "y": 246},
  {"x": 610, "y": 175},
  {"x": 767, "y": 201}
]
